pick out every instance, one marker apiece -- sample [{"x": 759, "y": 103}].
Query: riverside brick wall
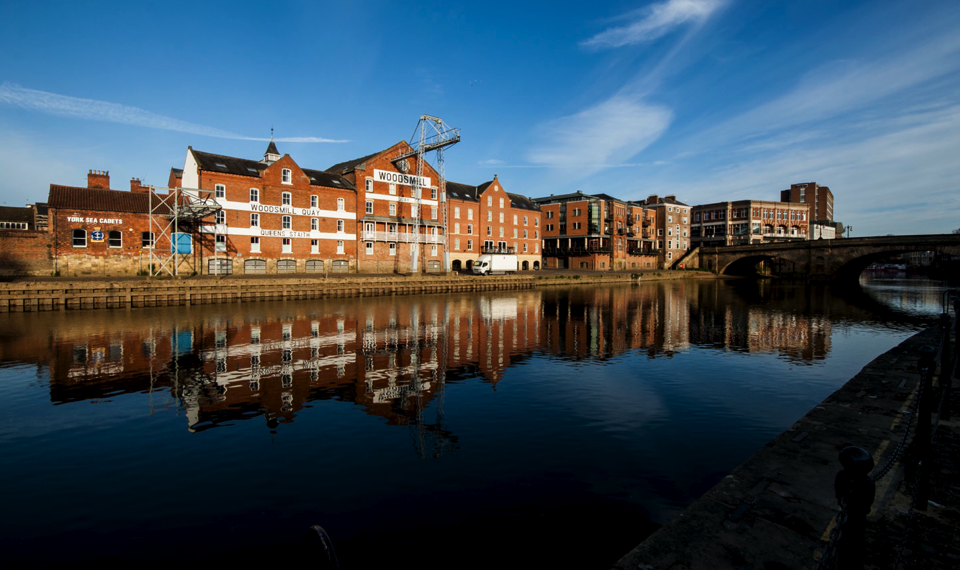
[{"x": 26, "y": 252}]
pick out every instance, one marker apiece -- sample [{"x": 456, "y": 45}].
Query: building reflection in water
[{"x": 394, "y": 356}]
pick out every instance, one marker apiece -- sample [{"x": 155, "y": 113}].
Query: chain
[
  {"x": 898, "y": 451},
  {"x": 829, "y": 552}
]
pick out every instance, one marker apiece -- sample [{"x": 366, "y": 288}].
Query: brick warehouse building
[
  {"x": 486, "y": 219},
  {"x": 99, "y": 231},
  {"x": 276, "y": 217},
  {"x": 750, "y": 222},
  {"x": 597, "y": 232},
  {"x": 387, "y": 211}
]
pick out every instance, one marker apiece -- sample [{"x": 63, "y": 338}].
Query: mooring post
[{"x": 855, "y": 492}]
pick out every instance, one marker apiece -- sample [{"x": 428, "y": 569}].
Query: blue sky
[{"x": 706, "y": 99}]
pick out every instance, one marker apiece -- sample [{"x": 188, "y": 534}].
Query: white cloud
[
  {"x": 490, "y": 162},
  {"x": 104, "y": 111},
  {"x": 653, "y": 22},
  {"x": 601, "y": 136}
]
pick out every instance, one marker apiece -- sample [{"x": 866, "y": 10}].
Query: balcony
[
  {"x": 494, "y": 249},
  {"x": 401, "y": 237},
  {"x": 576, "y": 251}
]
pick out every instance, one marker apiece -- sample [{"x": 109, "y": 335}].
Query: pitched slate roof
[
  {"x": 522, "y": 202},
  {"x": 459, "y": 191},
  {"x": 97, "y": 200},
  {"x": 177, "y": 172},
  {"x": 563, "y": 198},
  {"x": 351, "y": 165},
  {"x": 11, "y": 214},
  {"x": 228, "y": 164},
  {"x": 328, "y": 179}
]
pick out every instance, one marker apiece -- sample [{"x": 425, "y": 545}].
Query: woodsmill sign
[{"x": 400, "y": 178}]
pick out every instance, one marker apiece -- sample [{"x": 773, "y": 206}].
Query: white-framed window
[
  {"x": 489, "y": 215},
  {"x": 524, "y": 234},
  {"x": 501, "y": 217},
  {"x": 368, "y": 184},
  {"x": 469, "y": 245},
  {"x": 286, "y": 198},
  {"x": 524, "y": 220},
  {"x": 314, "y": 201},
  {"x": 489, "y": 230},
  {"x": 536, "y": 248},
  {"x": 669, "y": 255},
  {"x": 287, "y": 245},
  {"x": 501, "y": 231},
  {"x": 456, "y": 212},
  {"x": 369, "y": 208},
  {"x": 490, "y": 201},
  {"x": 433, "y": 193},
  {"x": 254, "y": 195},
  {"x": 147, "y": 240},
  {"x": 369, "y": 248},
  {"x": 254, "y": 220},
  {"x": 340, "y": 204},
  {"x": 469, "y": 229},
  {"x": 114, "y": 238},
  {"x": 219, "y": 190},
  {"x": 340, "y": 246},
  {"x": 414, "y": 211},
  {"x": 576, "y": 225},
  {"x": 524, "y": 247},
  {"x": 221, "y": 243},
  {"x": 286, "y": 176},
  {"x": 287, "y": 222},
  {"x": 393, "y": 248},
  {"x": 501, "y": 202},
  {"x": 433, "y": 212},
  {"x": 393, "y": 208},
  {"x": 469, "y": 213},
  {"x": 314, "y": 224},
  {"x": 456, "y": 227},
  {"x": 393, "y": 189},
  {"x": 536, "y": 234},
  {"x": 536, "y": 222},
  {"x": 514, "y": 232},
  {"x": 514, "y": 219},
  {"x": 255, "y": 244},
  {"x": 220, "y": 217},
  {"x": 456, "y": 244},
  {"x": 314, "y": 246},
  {"x": 339, "y": 226},
  {"x": 433, "y": 250}
]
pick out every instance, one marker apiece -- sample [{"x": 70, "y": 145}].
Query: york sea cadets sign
[{"x": 400, "y": 178}]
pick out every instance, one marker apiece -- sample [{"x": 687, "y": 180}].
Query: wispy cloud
[
  {"x": 606, "y": 134},
  {"x": 652, "y": 22},
  {"x": 490, "y": 162},
  {"x": 105, "y": 111}
]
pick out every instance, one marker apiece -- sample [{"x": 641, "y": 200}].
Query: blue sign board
[{"x": 182, "y": 242}]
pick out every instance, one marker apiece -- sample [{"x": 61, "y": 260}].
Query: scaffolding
[
  {"x": 430, "y": 135},
  {"x": 181, "y": 209}
]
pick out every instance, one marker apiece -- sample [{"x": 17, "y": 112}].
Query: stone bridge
[{"x": 833, "y": 259}]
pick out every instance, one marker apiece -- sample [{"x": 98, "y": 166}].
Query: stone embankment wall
[{"x": 63, "y": 294}]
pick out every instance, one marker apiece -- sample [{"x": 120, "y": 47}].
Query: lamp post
[{"x": 849, "y": 231}]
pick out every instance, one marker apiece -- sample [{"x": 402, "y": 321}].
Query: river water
[{"x": 555, "y": 426}]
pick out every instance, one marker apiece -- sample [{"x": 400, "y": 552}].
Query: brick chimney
[
  {"x": 137, "y": 187},
  {"x": 670, "y": 197},
  {"x": 653, "y": 199},
  {"x": 98, "y": 179}
]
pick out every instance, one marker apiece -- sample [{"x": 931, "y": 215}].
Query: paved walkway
[{"x": 776, "y": 510}]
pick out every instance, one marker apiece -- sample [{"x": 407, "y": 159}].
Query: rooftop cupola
[{"x": 272, "y": 155}]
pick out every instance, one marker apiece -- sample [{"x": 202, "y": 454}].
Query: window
[
  {"x": 469, "y": 229},
  {"x": 314, "y": 201},
  {"x": 314, "y": 246},
  {"x": 456, "y": 212},
  {"x": 501, "y": 217},
  {"x": 220, "y": 217},
  {"x": 524, "y": 247},
  {"x": 339, "y": 226},
  {"x": 254, "y": 220},
  {"x": 469, "y": 213},
  {"x": 489, "y": 230},
  {"x": 115, "y": 238},
  {"x": 456, "y": 244},
  {"x": 393, "y": 249},
  {"x": 669, "y": 219},
  {"x": 286, "y": 176},
  {"x": 536, "y": 222},
  {"x": 536, "y": 248},
  {"x": 414, "y": 211},
  {"x": 369, "y": 185},
  {"x": 501, "y": 231},
  {"x": 433, "y": 250},
  {"x": 501, "y": 202},
  {"x": 147, "y": 240},
  {"x": 490, "y": 201},
  {"x": 369, "y": 209},
  {"x": 456, "y": 227},
  {"x": 254, "y": 244},
  {"x": 369, "y": 248},
  {"x": 314, "y": 266},
  {"x": 393, "y": 189},
  {"x": 576, "y": 225},
  {"x": 254, "y": 195},
  {"x": 514, "y": 232},
  {"x": 393, "y": 209},
  {"x": 524, "y": 234},
  {"x": 286, "y": 198},
  {"x": 287, "y": 245},
  {"x": 536, "y": 234},
  {"x": 549, "y": 214},
  {"x": 286, "y": 266},
  {"x": 576, "y": 211},
  {"x": 340, "y": 246},
  {"x": 314, "y": 224},
  {"x": 340, "y": 203},
  {"x": 220, "y": 190},
  {"x": 287, "y": 222},
  {"x": 433, "y": 193},
  {"x": 433, "y": 212},
  {"x": 469, "y": 245},
  {"x": 221, "y": 243},
  {"x": 489, "y": 215},
  {"x": 524, "y": 220}
]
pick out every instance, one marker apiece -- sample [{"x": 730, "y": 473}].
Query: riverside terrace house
[
  {"x": 750, "y": 222},
  {"x": 488, "y": 219},
  {"x": 388, "y": 211},
  {"x": 275, "y": 216},
  {"x": 672, "y": 224},
  {"x": 597, "y": 232},
  {"x": 99, "y": 231}
]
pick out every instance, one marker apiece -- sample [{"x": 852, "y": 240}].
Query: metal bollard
[{"x": 855, "y": 492}]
